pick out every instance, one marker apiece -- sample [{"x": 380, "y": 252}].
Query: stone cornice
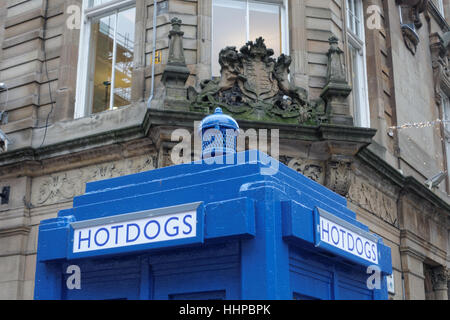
[
  {"x": 287, "y": 131},
  {"x": 35, "y": 157},
  {"x": 412, "y": 242},
  {"x": 165, "y": 118},
  {"x": 20, "y": 230},
  {"x": 405, "y": 183},
  {"x": 433, "y": 10},
  {"x": 382, "y": 167}
]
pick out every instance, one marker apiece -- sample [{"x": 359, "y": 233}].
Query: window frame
[
  {"x": 83, "y": 96},
  {"x": 440, "y": 6},
  {"x": 445, "y": 102},
  {"x": 357, "y": 42},
  {"x": 285, "y": 45}
]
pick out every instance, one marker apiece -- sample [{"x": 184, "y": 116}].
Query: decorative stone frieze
[
  {"x": 373, "y": 200},
  {"x": 315, "y": 170},
  {"x": 64, "y": 186}
]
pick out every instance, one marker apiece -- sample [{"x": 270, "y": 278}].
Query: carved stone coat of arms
[{"x": 254, "y": 86}]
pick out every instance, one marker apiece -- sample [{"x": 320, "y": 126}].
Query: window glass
[
  {"x": 446, "y": 109},
  {"x": 125, "y": 58},
  {"x": 112, "y": 50},
  {"x": 355, "y": 74},
  {"x": 237, "y": 21},
  {"x": 265, "y": 21},
  {"x": 357, "y": 66},
  {"x": 102, "y": 50},
  {"x": 229, "y": 28},
  {"x": 354, "y": 16},
  {"x": 94, "y": 3},
  {"x": 441, "y": 7}
]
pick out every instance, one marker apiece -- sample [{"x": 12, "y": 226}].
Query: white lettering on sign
[
  {"x": 135, "y": 232},
  {"x": 347, "y": 240}
]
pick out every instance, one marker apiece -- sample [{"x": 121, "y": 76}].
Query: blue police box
[{"x": 250, "y": 228}]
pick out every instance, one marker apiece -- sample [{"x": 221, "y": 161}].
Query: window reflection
[
  {"x": 353, "y": 19},
  {"x": 125, "y": 57},
  {"x": 103, "y": 38},
  {"x": 230, "y": 28},
  {"x": 355, "y": 74},
  {"x": 237, "y": 21},
  {"x": 94, "y": 3},
  {"x": 112, "y": 50},
  {"x": 265, "y": 21}
]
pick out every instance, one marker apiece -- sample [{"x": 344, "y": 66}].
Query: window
[
  {"x": 106, "y": 56},
  {"x": 446, "y": 111},
  {"x": 250, "y": 20},
  {"x": 440, "y": 6},
  {"x": 357, "y": 57}
]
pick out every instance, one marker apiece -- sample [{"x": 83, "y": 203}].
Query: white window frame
[
  {"x": 83, "y": 97},
  {"x": 359, "y": 44},
  {"x": 284, "y": 26}
]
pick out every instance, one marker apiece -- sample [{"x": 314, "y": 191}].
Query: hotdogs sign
[
  {"x": 155, "y": 227},
  {"x": 343, "y": 238}
]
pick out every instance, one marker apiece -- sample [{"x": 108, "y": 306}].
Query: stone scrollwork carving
[
  {"x": 338, "y": 176},
  {"x": 314, "y": 170},
  {"x": 335, "y": 175},
  {"x": 59, "y": 186},
  {"x": 254, "y": 86},
  {"x": 439, "y": 277},
  {"x": 64, "y": 186}
]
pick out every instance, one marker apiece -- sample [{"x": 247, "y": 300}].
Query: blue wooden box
[{"x": 211, "y": 231}]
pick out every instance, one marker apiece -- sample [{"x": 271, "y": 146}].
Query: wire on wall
[{"x": 45, "y": 66}]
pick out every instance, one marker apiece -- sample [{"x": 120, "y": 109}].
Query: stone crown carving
[{"x": 254, "y": 86}]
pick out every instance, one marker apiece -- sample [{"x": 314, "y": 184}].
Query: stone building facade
[{"x": 362, "y": 110}]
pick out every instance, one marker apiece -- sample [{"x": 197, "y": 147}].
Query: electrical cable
[{"x": 45, "y": 65}]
